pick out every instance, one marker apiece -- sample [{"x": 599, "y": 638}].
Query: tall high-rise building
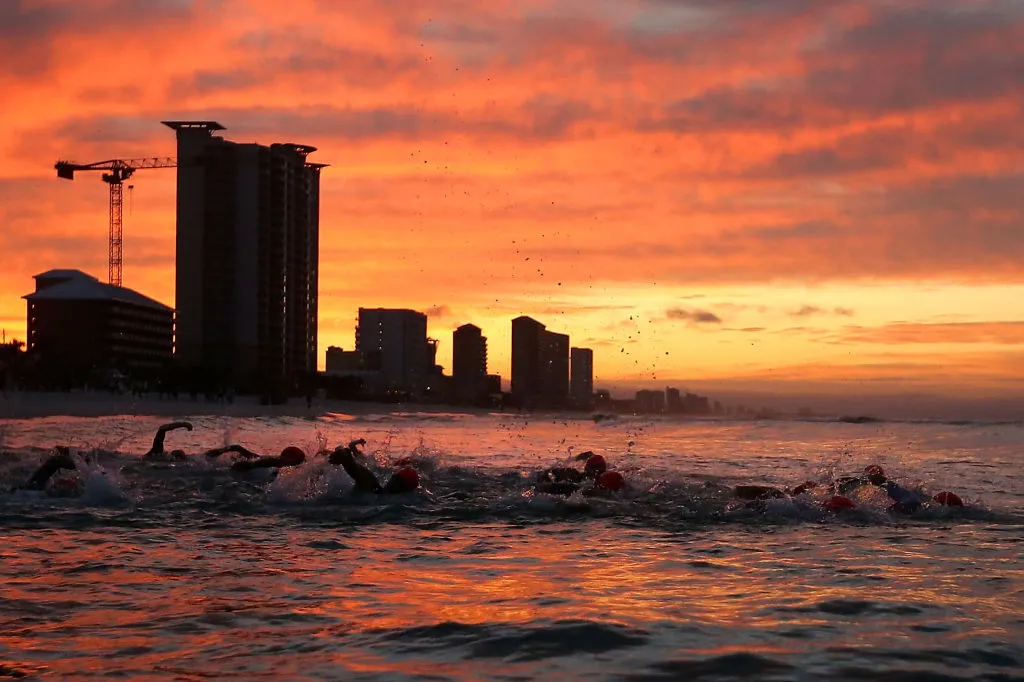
[
  {"x": 248, "y": 224},
  {"x": 394, "y": 342},
  {"x": 555, "y": 369},
  {"x": 581, "y": 378},
  {"x": 526, "y": 336},
  {"x": 469, "y": 364},
  {"x": 540, "y": 364}
]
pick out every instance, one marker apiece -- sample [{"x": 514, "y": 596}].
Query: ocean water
[{"x": 181, "y": 571}]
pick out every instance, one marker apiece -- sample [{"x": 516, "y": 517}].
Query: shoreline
[{"x": 82, "y": 403}]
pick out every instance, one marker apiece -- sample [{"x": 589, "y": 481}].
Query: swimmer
[
  {"x": 291, "y": 456},
  {"x": 904, "y": 501},
  {"x": 56, "y": 462},
  {"x": 405, "y": 480},
  {"x": 157, "y": 450},
  {"x": 567, "y": 480}
]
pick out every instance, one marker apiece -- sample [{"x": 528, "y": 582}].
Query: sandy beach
[{"x": 29, "y": 405}]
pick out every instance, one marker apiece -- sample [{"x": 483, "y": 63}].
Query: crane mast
[{"x": 116, "y": 172}]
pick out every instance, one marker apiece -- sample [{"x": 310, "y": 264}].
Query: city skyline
[{"x": 749, "y": 225}]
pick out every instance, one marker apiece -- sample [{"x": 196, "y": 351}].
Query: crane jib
[{"x": 116, "y": 172}]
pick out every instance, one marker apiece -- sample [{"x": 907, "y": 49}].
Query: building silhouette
[
  {"x": 393, "y": 343},
  {"x": 469, "y": 365},
  {"x": 650, "y": 401},
  {"x": 80, "y": 326},
  {"x": 337, "y": 360},
  {"x": 248, "y": 219},
  {"x": 581, "y": 377},
  {"x": 540, "y": 364},
  {"x": 673, "y": 401}
]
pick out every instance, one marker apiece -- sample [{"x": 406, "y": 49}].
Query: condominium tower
[{"x": 248, "y": 222}]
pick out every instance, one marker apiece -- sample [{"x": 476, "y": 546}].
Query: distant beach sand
[{"x": 29, "y": 405}]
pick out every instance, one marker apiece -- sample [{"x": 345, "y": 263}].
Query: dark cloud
[
  {"x": 695, "y": 316},
  {"x": 536, "y": 121},
  {"x": 439, "y": 311},
  {"x": 813, "y": 310},
  {"x": 807, "y": 311},
  {"x": 32, "y": 34}
]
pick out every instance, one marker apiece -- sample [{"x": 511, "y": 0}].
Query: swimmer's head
[
  {"x": 949, "y": 499},
  {"x": 595, "y": 466},
  {"x": 838, "y": 503},
  {"x": 405, "y": 480},
  {"x": 610, "y": 480},
  {"x": 178, "y": 454},
  {"x": 65, "y": 486},
  {"x": 292, "y": 456},
  {"x": 340, "y": 455},
  {"x": 875, "y": 474}
]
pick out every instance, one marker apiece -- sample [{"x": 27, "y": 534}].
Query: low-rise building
[{"x": 80, "y": 326}]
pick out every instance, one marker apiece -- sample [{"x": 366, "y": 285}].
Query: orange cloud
[{"x": 501, "y": 158}]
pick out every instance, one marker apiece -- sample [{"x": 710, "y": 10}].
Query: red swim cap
[
  {"x": 409, "y": 477},
  {"x": 596, "y": 465},
  {"x": 838, "y": 503},
  {"x": 874, "y": 470},
  {"x": 949, "y": 499},
  {"x": 292, "y": 456},
  {"x": 66, "y": 486},
  {"x": 610, "y": 480}
]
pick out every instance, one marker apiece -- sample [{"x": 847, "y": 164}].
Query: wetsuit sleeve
[
  {"x": 161, "y": 433},
  {"x": 158, "y": 442},
  {"x": 47, "y": 469},
  {"x": 363, "y": 477},
  {"x": 906, "y": 500}
]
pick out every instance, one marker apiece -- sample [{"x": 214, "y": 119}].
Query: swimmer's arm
[
  {"x": 161, "y": 433},
  {"x": 47, "y": 469},
  {"x": 238, "y": 449},
  {"x": 364, "y": 479}
]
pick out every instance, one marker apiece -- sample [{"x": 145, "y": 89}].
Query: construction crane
[{"x": 117, "y": 171}]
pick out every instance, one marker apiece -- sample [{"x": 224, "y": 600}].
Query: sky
[{"x": 783, "y": 196}]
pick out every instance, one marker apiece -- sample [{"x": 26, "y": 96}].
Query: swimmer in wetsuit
[
  {"x": 904, "y": 501},
  {"x": 405, "y": 480},
  {"x": 291, "y": 456},
  {"x": 56, "y": 462},
  {"x": 567, "y": 480},
  {"x": 157, "y": 449}
]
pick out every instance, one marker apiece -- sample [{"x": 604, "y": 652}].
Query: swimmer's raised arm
[
  {"x": 364, "y": 479},
  {"x": 61, "y": 460},
  {"x": 161, "y": 433}
]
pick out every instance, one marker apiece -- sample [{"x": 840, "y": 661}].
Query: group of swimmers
[
  {"x": 595, "y": 479},
  {"x": 404, "y": 480},
  {"x": 901, "y": 499}
]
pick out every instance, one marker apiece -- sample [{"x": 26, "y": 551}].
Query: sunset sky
[{"x": 781, "y": 194}]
